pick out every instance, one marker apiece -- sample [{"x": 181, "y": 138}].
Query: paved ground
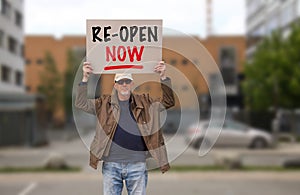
[
  {"x": 212, "y": 183},
  {"x": 75, "y": 153}
]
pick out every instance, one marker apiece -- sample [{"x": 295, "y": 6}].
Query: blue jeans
[{"x": 135, "y": 176}]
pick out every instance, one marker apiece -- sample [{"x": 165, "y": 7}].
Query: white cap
[{"x": 123, "y": 76}]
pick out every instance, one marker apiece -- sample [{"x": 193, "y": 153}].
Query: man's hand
[
  {"x": 161, "y": 69},
  {"x": 164, "y": 168},
  {"x": 87, "y": 70}
]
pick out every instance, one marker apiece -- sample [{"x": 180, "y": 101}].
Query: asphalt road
[
  {"x": 89, "y": 181},
  {"x": 212, "y": 183},
  {"x": 75, "y": 153}
]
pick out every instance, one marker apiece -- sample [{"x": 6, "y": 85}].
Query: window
[
  {"x": 287, "y": 15},
  {"x": 272, "y": 23},
  {"x": 235, "y": 125},
  {"x": 173, "y": 62},
  {"x": 19, "y": 78},
  {"x": 28, "y": 62},
  {"x": 5, "y": 73},
  {"x": 22, "y": 53},
  {"x": 12, "y": 45},
  {"x": 1, "y": 38},
  {"x": 18, "y": 19},
  {"x": 39, "y": 61},
  {"x": 28, "y": 88},
  {"x": 185, "y": 61},
  {"x": 5, "y": 8},
  {"x": 256, "y": 35},
  {"x": 254, "y": 6},
  {"x": 227, "y": 61}
]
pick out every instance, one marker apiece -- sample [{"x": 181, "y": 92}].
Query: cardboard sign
[{"x": 118, "y": 46}]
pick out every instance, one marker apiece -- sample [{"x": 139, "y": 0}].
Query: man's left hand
[
  {"x": 161, "y": 69},
  {"x": 164, "y": 168}
]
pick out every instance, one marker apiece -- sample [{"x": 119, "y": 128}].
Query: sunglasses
[{"x": 121, "y": 82}]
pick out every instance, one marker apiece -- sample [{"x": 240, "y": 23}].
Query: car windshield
[
  {"x": 213, "y": 125},
  {"x": 228, "y": 124},
  {"x": 235, "y": 125}
]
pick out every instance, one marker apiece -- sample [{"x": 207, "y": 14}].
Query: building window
[
  {"x": 28, "y": 88},
  {"x": 5, "y": 8},
  {"x": 185, "y": 61},
  {"x": 287, "y": 15},
  {"x": 254, "y": 6},
  {"x": 39, "y": 61},
  {"x": 22, "y": 53},
  {"x": 273, "y": 22},
  {"x": 28, "y": 62},
  {"x": 1, "y": 38},
  {"x": 5, "y": 74},
  {"x": 19, "y": 78},
  {"x": 173, "y": 62},
  {"x": 12, "y": 45},
  {"x": 18, "y": 19},
  {"x": 227, "y": 61}
]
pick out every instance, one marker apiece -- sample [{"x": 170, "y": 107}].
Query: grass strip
[
  {"x": 37, "y": 169},
  {"x": 182, "y": 168}
]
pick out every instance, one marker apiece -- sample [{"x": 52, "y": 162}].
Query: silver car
[{"x": 232, "y": 134}]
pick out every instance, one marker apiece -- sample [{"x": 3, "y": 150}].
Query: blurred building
[
  {"x": 265, "y": 16},
  {"x": 17, "y": 108},
  {"x": 182, "y": 54},
  {"x": 35, "y": 51}
]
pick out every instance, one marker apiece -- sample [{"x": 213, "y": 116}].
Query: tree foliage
[
  {"x": 51, "y": 83},
  {"x": 273, "y": 75},
  {"x": 68, "y": 80},
  {"x": 73, "y": 61}
]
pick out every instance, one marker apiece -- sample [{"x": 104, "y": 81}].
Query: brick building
[{"x": 181, "y": 54}]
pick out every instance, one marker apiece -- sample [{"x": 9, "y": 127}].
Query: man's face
[{"x": 124, "y": 86}]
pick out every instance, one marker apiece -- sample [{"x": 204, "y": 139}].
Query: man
[{"x": 128, "y": 131}]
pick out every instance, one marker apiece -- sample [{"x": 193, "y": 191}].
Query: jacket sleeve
[
  {"x": 82, "y": 102},
  {"x": 167, "y": 99}
]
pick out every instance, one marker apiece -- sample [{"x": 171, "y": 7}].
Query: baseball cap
[{"x": 119, "y": 76}]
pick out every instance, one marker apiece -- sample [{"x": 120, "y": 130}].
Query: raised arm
[
  {"x": 81, "y": 101},
  {"x": 167, "y": 99}
]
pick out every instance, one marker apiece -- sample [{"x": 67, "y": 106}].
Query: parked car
[{"x": 232, "y": 134}]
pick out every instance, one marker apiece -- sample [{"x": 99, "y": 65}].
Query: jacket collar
[{"x": 134, "y": 100}]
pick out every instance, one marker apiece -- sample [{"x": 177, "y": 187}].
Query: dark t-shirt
[{"x": 128, "y": 144}]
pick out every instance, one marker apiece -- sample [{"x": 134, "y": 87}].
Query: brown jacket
[{"x": 146, "y": 112}]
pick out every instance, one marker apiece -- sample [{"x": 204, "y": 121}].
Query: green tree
[
  {"x": 273, "y": 75},
  {"x": 293, "y": 74},
  {"x": 51, "y": 84},
  {"x": 73, "y": 62}
]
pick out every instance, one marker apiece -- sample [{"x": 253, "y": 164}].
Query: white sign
[{"x": 117, "y": 46}]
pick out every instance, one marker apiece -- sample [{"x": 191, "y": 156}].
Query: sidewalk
[
  {"x": 194, "y": 183},
  {"x": 76, "y": 153},
  {"x": 65, "y": 142}
]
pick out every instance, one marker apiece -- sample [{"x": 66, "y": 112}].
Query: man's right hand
[{"x": 87, "y": 70}]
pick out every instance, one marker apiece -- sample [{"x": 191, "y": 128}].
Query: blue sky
[{"x": 68, "y": 17}]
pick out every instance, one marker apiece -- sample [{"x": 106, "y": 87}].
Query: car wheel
[{"x": 258, "y": 143}]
